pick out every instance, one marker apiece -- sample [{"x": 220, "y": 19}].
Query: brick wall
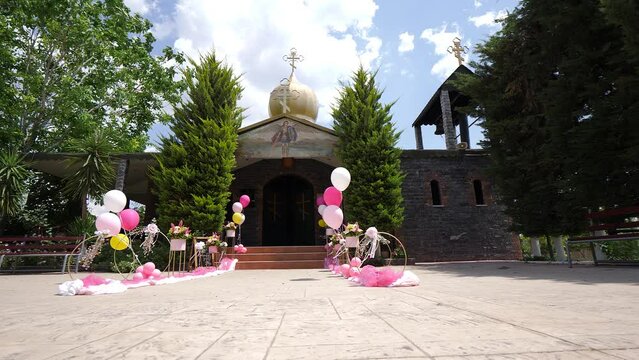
[{"x": 459, "y": 229}]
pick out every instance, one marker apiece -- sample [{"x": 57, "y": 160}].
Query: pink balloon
[
  {"x": 129, "y": 218},
  {"x": 356, "y": 262},
  {"x": 320, "y": 200},
  {"x": 138, "y": 276},
  {"x": 332, "y": 196},
  {"x": 345, "y": 269},
  {"x": 148, "y": 268},
  {"x": 245, "y": 200},
  {"x": 157, "y": 273},
  {"x": 237, "y": 207},
  {"x": 139, "y": 269},
  {"x": 333, "y": 216},
  {"x": 354, "y": 272},
  {"x": 108, "y": 222}
]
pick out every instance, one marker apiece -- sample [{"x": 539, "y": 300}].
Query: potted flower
[
  {"x": 351, "y": 234},
  {"x": 216, "y": 245},
  {"x": 179, "y": 234},
  {"x": 230, "y": 229},
  {"x": 336, "y": 241}
]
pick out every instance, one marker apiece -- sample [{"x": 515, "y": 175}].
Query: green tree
[
  {"x": 367, "y": 147},
  {"x": 70, "y": 66},
  {"x": 195, "y": 164},
  {"x": 551, "y": 90},
  {"x": 94, "y": 174},
  {"x": 13, "y": 175}
]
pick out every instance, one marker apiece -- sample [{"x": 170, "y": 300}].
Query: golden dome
[{"x": 295, "y": 98}]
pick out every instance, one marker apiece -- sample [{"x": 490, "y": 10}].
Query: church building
[{"x": 285, "y": 161}]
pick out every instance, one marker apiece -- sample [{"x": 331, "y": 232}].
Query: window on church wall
[
  {"x": 479, "y": 192},
  {"x": 435, "y": 193}
]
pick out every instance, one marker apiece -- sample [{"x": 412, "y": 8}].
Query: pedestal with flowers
[
  {"x": 178, "y": 235},
  {"x": 216, "y": 248}
]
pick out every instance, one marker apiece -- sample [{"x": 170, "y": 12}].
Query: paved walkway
[{"x": 461, "y": 311}]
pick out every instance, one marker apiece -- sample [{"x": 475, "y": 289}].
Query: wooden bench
[
  {"x": 618, "y": 224},
  {"x": 42, "y": 246}
]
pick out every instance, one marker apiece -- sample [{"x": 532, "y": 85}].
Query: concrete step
[
  {"x": 280, "y": 256},
  {"x": 285, "y": 249},
  {"x": 292, "y": 264}
]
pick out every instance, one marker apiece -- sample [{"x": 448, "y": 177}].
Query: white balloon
[
  {"x": 340, "y": 178},
  {"x": 237, "y": 207},
  {"x": 115, "y": 201},
  {"x": 321, "y": 209}
]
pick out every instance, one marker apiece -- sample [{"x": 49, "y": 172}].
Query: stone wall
[{"x": 458, "y": 229}]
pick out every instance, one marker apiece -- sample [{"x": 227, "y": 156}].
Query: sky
[{"x": 406, "y": 41}]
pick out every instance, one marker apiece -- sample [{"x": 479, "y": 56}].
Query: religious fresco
[{"x": 286, "y": 137}]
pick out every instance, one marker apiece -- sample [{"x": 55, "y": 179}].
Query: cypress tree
[
  {"x": 367, "y": 141},
  {"x": 195, "y": 164}
]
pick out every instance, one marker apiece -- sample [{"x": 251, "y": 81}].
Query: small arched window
[
  {"x": 479, "y": 192},
  {"x": 435, "y": 193}
]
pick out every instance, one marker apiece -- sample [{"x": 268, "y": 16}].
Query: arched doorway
[{"x": 289, "y": 216}]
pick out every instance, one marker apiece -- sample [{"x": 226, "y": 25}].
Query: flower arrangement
[
  {"x": 230, "y": 226},
  {"x": 352, "y": 230},
  {"x": 214, "y": 240},
  {"x": 337, "y": 239},
  {"x": 179, "y": 231}
]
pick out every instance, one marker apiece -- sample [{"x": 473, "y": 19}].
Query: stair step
[
  {"x": 293, "y": 264},
  {"x": 280, "y": 256},
  {"x": 285, "y": 249}
]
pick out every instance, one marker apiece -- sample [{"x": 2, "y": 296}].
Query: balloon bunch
[
  {"x": 111, "y": 217},
  {"x": 147, "y": 272},
  {"x": 238, "y": 207},
  {"x": 240, "y": 249},
  {"x": 329, "y": 203}
]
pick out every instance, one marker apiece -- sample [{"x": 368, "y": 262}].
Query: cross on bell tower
[{"x": 458, "y": 50}]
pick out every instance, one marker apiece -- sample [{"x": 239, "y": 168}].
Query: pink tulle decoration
[
  {"x": 93, "y": 279},
  {"x": 368, "y": 276},
  {"x": 236, "y": 247},
  {"x": 225, "y": 264},
  {"x": 148, "y": 268},
  {"x": 386, "y": 276},
  {"x": 357, "y": 262},
  {"x": 354, "y": 272}
]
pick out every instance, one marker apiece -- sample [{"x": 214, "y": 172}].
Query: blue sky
[{"x": 405, "y": 39}]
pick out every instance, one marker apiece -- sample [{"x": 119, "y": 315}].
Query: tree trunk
[{"x": 550, "y": 250}]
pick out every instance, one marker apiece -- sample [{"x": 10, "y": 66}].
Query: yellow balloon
[
  {"x": 238, "y": 218},
  {"x": 119, "y": 242},
  {"x": 321, "y": 223}
]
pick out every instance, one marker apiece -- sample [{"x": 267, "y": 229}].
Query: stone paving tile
[
  {"x": 241, "y": 344},
  {"x": 172, "y": 345},
  {"x": 105, "y": 348},
  {"x": 350, "y": 351},
  {"x": 553, "y": 355},
  {"x": 629, "y": 354},
  {"x": 31, "y": 351}
]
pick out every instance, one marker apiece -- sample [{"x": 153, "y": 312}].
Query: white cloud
[
  {"x": 477, "y": 3},
  {"x": 139, "y": 6},
  {"x": 406, "y": 42},
  {"x": 488, "y": 19},
  {"x": 332, "y": 35},
  {"x": 442, "y": 39}
]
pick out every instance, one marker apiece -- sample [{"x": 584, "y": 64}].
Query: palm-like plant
[
  {"x": 95, "y": 174},
  {"x": 13, "y": 176}
]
